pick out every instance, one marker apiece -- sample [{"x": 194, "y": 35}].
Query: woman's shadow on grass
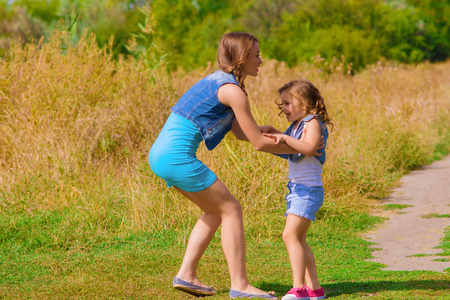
[{"x": 369, "y": 287}]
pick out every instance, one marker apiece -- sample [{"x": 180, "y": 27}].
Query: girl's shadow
[{"x": 368, "y": 287}]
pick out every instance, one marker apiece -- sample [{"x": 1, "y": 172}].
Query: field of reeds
[{"x": 76, "y": 127}]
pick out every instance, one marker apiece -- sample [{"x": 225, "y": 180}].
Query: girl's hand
[{"x": 277, "y": 137}]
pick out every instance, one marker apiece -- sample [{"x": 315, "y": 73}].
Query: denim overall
[
  {"x": 201, "y": 105},
  {"x": 298, "y": 156}
]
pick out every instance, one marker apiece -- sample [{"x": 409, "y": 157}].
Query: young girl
[
  {"x": 210, "y": 109},
  {"x": 303, "y": 105}
]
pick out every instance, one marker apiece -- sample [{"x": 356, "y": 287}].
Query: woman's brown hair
[{"x": 234, "y": 48}]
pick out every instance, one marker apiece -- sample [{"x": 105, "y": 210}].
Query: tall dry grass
[{"x": 76, "y": 127}]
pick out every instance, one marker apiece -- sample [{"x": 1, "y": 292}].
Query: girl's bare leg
[
  {"x": 312, "y": 281},
  {"x": 218, "y": 205},
  {"x": 300, "y": 254}
]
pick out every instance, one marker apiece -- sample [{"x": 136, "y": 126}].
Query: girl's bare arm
[{"x": 309, "y": 143}]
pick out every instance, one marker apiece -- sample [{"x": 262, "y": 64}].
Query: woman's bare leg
[
  {"x": 218, "y": 204},
  {"x": 199, "y": 240}
]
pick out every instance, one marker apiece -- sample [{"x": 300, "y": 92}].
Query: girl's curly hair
[{"x": 304, "y": 91}]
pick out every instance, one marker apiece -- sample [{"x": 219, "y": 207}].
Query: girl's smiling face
[{"x": 291, "y": 107}]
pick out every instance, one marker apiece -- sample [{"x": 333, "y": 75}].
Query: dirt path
[{"x": 407, "y": 233}]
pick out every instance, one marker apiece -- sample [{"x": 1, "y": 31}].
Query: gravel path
[{"x": 407, "y": 233}]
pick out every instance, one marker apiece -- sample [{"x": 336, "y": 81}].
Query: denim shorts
[
  {"x": 173, "y": 156},
  {"x": 304, "y": 201}
]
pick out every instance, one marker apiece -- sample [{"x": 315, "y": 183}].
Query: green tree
[
  {"x": 104, "y": 18},
  {"x": 403, "y": 33},
  {"x": 261, "y": 17},
  {"x": 45, "y": 10},
  {"x": 189, "y": 31},
  {"x": 186, "y": 32},
  {"x": 17, "y": 26},
  {"x": 434, "y": 26},
  {"x": 329, "y": 28}
]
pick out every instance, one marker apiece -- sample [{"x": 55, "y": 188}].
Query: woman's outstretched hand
[{"x": 268, "y": 129}]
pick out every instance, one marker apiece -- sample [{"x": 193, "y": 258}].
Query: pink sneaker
[
  {"x": 315, "y": 294},
  {"x": 296, "y": 294}
]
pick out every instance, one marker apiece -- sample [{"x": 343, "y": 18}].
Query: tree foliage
[{"x": 185, "y": 33}]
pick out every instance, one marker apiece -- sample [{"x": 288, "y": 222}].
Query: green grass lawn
[
  {"x": 141, "y": 266},
  {"x": 83, "y": 217}
]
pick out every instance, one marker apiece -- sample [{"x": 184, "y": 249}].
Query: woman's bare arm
[
  {"x": 231, "y": 95},
  {"x": 239, "y": 134}
]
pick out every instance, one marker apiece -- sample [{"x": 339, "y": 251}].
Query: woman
[{"x": 206, "y": 112}]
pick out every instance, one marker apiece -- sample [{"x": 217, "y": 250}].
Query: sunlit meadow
[{"x": 76, "y": 127}]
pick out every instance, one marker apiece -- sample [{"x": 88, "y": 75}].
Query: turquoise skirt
[{"x": 173, "y": 156}]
